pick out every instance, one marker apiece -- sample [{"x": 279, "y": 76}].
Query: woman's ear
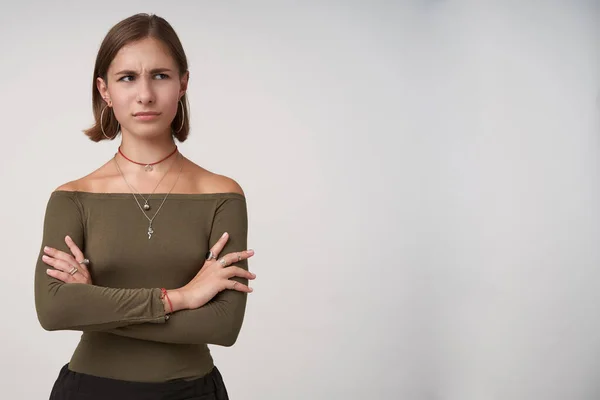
[
  {"x": 103, "y": 90},
  {"x": 184, "y": 83}
]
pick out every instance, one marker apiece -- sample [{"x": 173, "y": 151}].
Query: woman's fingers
[
  {"x": 79, "y": 257},
  {"x": 63, "y": 270},
  {"x": 230, "y": 272},
  {"x": 63, "y": 276},
  {"x": 218, "y": 247},
  {"x": 240, "y": 287},
  {"x": 54, "y": 258},
  {"x": 74, "y": 249},
  {"x": 232, "y": 258},
  {"x": 233, "y": 271},
  {"x": 64, "y": 262}
]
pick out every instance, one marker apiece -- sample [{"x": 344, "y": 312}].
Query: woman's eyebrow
[{"x": 153, "y": 71}]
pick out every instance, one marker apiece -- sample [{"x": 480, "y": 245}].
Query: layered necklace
[
  {"x": 146, "y": 206},
  {"x": 147, "y": 166}
]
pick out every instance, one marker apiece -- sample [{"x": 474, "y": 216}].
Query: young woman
[{"x": 147, "y": 254}]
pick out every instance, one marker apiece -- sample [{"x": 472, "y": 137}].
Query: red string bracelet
[{"x": 164, "y": 294}]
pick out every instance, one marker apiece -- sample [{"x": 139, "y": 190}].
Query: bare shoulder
[
  {"x": 88, "y": 183},
  {"x": 68, "y": 187},
  {"x": 225, "y": 184},
  {"x": 210, "y": 182},
  {"x": 79, "y": 185}
]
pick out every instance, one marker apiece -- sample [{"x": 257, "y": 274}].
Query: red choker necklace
[{"x": 147, "y": 167}]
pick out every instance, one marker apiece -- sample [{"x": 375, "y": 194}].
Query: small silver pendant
[
  {"x": 146, "y": 206},
  {"x": 150, "y": 231},
  {"x": 148, "y": 168}
]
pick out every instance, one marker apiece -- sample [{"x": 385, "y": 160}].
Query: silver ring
[
  {"x": 234, "y": 283},
  {"x": 73, "y": 271},
  {"x": 222, "y": 261},
  {"x": 239, "y": 257},
  {"x": 85, "y": 262},
  {"x": 210, "y": 256}
]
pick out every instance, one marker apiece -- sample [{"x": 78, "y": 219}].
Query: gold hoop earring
[
  {"x": 102, "y": 126},
  {"x": 182, "y": 117}
]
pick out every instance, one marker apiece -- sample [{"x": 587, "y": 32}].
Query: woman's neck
[{"x": 146, "y": 152}]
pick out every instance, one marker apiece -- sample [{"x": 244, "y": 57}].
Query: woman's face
[{"x": 144, "y": 78}]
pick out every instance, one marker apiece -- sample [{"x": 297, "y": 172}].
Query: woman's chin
[{"x": 148, "y": 131}]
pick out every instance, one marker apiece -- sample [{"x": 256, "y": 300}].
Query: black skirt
[{"x": 72, "y": 385}]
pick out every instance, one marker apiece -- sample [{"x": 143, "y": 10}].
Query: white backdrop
[{"x": 422, "y": 181}]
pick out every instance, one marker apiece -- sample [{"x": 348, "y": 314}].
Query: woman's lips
[{"x": 146, "y": 116}]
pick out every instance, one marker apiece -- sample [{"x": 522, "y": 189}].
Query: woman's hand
[
  {"x": 214, "y": 277},
  {"x": 68, "y": 268}
]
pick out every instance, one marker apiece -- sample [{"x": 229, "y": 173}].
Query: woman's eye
[{"x": 126, "y": 77}]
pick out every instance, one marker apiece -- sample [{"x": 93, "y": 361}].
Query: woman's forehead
[{"x": 145, "y": 54}]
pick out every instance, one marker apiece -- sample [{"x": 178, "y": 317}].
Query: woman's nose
[{"x": 145, "y": 92}]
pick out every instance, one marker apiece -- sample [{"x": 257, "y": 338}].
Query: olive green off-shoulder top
[{"x": 126, "y": 334}]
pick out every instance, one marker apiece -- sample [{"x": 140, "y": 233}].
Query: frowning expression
[{"x": 143, "y": 85}]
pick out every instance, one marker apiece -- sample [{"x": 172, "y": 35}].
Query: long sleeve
[
  {"x": 76, "y": 306},
  {"x": 220, "y": 320}
]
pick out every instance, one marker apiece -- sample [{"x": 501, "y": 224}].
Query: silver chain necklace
[
  {"x": 146, "y": 205},
  {"x": 150, "y": 220}
]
